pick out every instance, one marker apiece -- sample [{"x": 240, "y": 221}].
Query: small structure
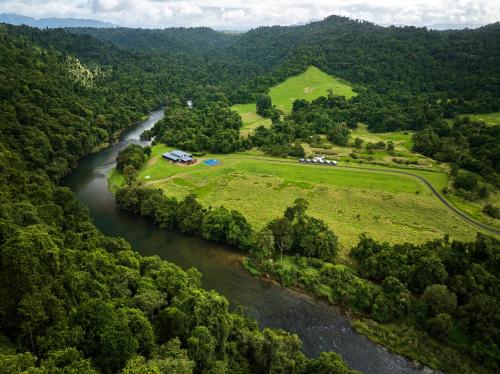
[
  {"x": 211, "y": 162},
  {"x": 179, "y": 156}
]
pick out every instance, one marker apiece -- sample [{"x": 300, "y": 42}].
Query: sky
[{"x": 246, "y": 14}]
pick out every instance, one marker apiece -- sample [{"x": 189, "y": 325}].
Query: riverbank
[
  {"x": 319, "y": 326},
  {"x": 399, "y": 337}
]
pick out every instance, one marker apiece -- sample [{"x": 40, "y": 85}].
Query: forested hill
[
  {"x": 459, "y": 66},
  {"x": 71, "y": 299},
  {"x": 199, "y": 40}
]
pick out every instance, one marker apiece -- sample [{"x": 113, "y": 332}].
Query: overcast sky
[{"x": 244, "y": 14}]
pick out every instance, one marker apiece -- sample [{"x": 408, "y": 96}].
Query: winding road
[
  {"x": 455, "y": 210},
  {"x": 464, "y": 216},
  {"x": 441, "y": 198}
]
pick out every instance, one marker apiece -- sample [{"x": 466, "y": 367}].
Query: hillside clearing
[{"x": 309, "y": 85}]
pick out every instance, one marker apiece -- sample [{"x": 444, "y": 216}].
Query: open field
[
  {"x": 489, "y": 118},
  {"x": 388, "y": 207},
  {"x": 251, "y": 120},
  {"x": 309, "y": 85}
]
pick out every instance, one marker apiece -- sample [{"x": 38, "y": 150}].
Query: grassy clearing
[
  {"x": 402, "y": 139},
  {"x": 387, "y": 206},
  {"x": 489, "y": 118},
  {"x": 309, "y": 85},
  {"x": 251, "y": 120}
]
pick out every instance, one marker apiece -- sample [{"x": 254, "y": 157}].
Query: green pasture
[
  {"x": 387, "y": 206},
  {"x": 489, "y": 118},
  {"x": 309, "y": 85}
]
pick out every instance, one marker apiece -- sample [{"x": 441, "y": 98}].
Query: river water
[{"x": 320, "y": 326}]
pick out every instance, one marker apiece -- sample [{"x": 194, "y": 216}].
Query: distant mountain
[{"x": 53, "y": 22}]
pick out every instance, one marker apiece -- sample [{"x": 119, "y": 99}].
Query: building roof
[
  {"x": 179, "y": 153},
  {"x": 178, "y": 156}
]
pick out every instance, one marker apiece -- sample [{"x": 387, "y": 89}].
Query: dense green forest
[
  {"x": 446, "y": 289},
  {"x": 71, "y": 299},
  {"x": 474, "y": 146},
  {"x": 395, "y": 66},
  {"x": 74, "y": 300}
]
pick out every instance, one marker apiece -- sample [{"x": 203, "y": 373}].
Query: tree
[
  {"x": 439, "y": 300},
  {"x": 147, "y": 151},
  {"x": 201, "y": 348},
  {"x": 466, "y": 181},
  {"x": 107, "y": 336},
  {"x": 440, "y": 325},
  {"x": 313, "y": 238},
  {"x": 297, "y": 212},
  {"x": 339, "y": 135},
  {"x": 130, "y": 174},
  {"x": 282, "y": 230},
  {"x": 264, "y": 245},
  {"x": 390, "y": 147},
  {"x": 491, "y": 210},
  {"x": 358, "y": 142},
  {"x": 133, "y": 155},
  {"x": 264, "y": 104},
  {"x": 328, "y": 363},
  {"x": 190, "y": 215}
]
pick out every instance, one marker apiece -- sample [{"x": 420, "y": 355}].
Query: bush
[
  {"x": 132, "y": 155},
  {"x": 439, "y": 300},
  {"x": 440, "y": 326},
  {"x": 491, "y": 211},
  {"x": 467, "y": 182}
]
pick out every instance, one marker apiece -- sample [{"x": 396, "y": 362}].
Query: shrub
[
  {"x": 440, "y": 326},
  {"x": 491, "y": 211},
  {"x": 467, "y": 182}
]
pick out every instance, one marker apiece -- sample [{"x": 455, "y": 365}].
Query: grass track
[{"x": 386, "y": 205}]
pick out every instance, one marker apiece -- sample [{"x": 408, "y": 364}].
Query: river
[{"x": 321, "y": 327}]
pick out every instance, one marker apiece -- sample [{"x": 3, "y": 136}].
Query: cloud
[{"x": 243, "y": 14}]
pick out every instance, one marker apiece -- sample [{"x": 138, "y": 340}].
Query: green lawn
[
  {"x": 489, "y": 118},
  {"x": 309, "y": 85},
  {"x": 389, "y": 207}
]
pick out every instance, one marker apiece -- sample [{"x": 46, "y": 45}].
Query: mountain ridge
[{"x": 52, "y": 22}]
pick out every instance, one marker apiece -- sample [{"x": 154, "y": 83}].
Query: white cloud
[{"x": 241, "y": 14}]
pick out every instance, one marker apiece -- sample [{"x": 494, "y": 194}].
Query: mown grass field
[
  {"x": 309, "y": 85},
  {"x": 387, "y": 206}
]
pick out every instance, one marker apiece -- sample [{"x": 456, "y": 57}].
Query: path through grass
[{"x": 389, "y": 207}]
